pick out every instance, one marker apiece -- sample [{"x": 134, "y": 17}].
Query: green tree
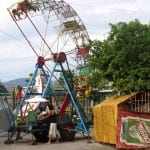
[{"x": 123, "y": 58}]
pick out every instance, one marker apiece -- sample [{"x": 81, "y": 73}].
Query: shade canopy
[{"x": 36, "y": 99}]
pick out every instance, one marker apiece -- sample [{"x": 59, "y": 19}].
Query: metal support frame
[
  {"x": 84, "y": 127},
  {"x": 5, "y": 105},
  {"x": 78, "y": 36},
  {"x": 27, "y": 92}
]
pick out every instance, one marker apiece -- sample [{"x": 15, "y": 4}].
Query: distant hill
[
  {"x": 24, "y": 82},
  {"x": 13, "y": 83}
]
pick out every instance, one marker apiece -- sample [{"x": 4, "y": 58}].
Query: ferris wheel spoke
[{"x": 64, "y": 30}]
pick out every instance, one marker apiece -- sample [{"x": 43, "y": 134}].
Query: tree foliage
[{"x": 123, "y": 58}]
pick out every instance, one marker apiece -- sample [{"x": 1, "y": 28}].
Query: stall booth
[{"x": 124, "y": 121}]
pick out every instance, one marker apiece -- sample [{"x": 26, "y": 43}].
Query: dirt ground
[{"x": 80, "y": 143}]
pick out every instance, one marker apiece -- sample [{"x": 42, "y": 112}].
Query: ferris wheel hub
[
  {"x": 40, "y": 61},
  {"x": 56, "y": 57},
  {"x": 59, "y": 57}
]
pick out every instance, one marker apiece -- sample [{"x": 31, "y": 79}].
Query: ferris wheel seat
[
  {"x": 83, "y": 51},
  {"x": 22, "y": 8}
]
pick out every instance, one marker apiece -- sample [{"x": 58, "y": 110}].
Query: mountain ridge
[{"x": 13, "y": 83}]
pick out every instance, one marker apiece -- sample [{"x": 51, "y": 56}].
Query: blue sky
[{"x": 17, "y": 59}]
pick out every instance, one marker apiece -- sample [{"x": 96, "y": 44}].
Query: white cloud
[{"x": 95, "y": 14}]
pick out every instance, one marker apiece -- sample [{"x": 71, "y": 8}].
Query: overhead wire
[
  {"x": 94, "y": 26},
  {"x": 82, "y": 5},
  {"x": 17, "y": 39},
  {"x": 9, "y": 35},
  {"x": 46, "y": 29}
]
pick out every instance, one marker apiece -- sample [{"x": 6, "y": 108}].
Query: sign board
[{"x": 133, "y": 130}]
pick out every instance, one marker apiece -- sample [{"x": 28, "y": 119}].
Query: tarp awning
[{"x": 105, "y": 119}]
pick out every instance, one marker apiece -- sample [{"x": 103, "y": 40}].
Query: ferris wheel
[
  {"x": 51, "y": 27},
  {"x": 54, "y": 31}
]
